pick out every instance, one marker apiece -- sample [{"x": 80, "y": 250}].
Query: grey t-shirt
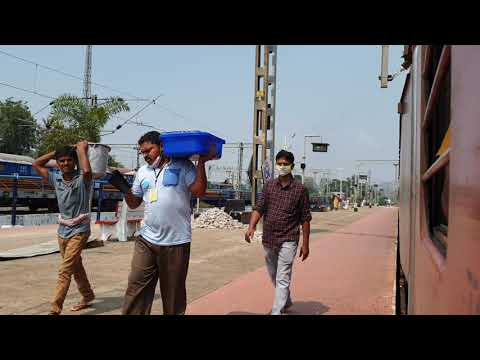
[{"x": 73, "y": 200}]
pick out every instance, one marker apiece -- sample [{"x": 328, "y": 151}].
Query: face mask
[
  {"x": 284, "y": 169},
  {"x": 155, "y": 163}
]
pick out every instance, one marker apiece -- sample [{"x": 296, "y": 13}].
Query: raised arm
[
  {"x": 199, "y": 186},
  {"x": 83, "y": 161},
  {"x": 39, "y": 164}
]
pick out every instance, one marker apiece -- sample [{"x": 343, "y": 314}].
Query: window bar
[
  {"x": 440, "y": 236},
  {"x": 426, "y": 60},
  {"x": 438, "y": 165},
  {"x": 442, "y": 68}
]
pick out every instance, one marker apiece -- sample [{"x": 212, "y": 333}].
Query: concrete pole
[
  {"x": 304, "y": 159},
  {"x": 14, "y": 200}
]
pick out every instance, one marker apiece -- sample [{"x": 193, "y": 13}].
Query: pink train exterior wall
[{"x": 448, "y": 285}]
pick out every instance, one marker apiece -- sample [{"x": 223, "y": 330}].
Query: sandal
[
  {"x": 82, "y": 304},
  {"x": 79, "y": 306}
]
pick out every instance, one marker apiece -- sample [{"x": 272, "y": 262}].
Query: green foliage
[
  {"x": 313, "y": 189},
  {"x": 18, "y": 128},
  {"x": 112, "y": 161},
  {"x": 382, "y": 201},
  {"x": 72, "y": 120}
]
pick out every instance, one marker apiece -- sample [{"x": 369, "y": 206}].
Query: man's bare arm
[
  {"x": 39, "y": 164},
  {"x": 199, "y": 186},
  {"x": 305, "y": 248},
  {"x": 254, "y": 219},
  {"x": 83, "y": 161},
  {"x": 132, "y": 201}
]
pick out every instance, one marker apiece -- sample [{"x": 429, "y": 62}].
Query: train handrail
[
  {"x": 20, "y": 177},
  {"x": 438, "y": 165},
  {"x": 426, "y": 59},
  {"x": 437, "y": 81}
]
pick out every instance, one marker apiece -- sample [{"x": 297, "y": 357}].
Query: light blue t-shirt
[{"x": 167, "y": 221}]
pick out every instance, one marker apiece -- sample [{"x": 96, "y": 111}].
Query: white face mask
[
  {"x": 155, "y": 163},
  {"x": 284, "y": 169}
]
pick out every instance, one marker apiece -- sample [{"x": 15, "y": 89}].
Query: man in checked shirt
[{"x": 284, "y": 205}]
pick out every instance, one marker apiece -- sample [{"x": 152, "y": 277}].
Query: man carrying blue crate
[
  {"x": 162, "y": 251},
  {"x": 72, "y": 189}
]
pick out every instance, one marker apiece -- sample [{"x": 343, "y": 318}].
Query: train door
[{"x": 417, "y": 113}]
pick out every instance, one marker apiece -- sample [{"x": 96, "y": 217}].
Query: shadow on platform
[
  {"x": 106, "y": 304},
  {"x": 364, "y": 234},
  {"x": 314, "y": 231},
  {"x": 298, "y": 308}
]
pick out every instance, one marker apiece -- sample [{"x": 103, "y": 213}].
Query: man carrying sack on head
[
  {"x": 162, "y": 251},
  {"x": 72, "y": 189}
]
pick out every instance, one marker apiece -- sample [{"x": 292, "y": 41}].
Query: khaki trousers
[
  {"x": 149, "y": 264},
  {"x": 71, "y": 250}
]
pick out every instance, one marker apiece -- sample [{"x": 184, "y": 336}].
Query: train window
[{"x": 436, "y": 143}]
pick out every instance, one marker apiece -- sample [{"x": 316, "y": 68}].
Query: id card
[{"x": 152, "y": 194}]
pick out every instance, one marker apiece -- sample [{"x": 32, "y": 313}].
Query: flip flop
[
  {"x": 82, "y": 304},
  {"x": 79, "y": 306}
]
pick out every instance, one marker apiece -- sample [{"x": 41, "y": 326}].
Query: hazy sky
[{"x": 332, "y": 91}]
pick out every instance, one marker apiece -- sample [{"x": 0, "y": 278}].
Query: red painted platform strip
[{"x": 350, "y": 271}]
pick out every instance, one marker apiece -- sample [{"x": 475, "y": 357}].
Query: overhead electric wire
[
  {"x": 185, "y": 118},
  {"x": 147, "y": 126},
  {"x": 43, "y": 108},
  {"x": 118, "y": 127},
  {"x": 66, "y": 74},
  {"x": 28, "y": 91},
  {"x": 97, "y": 84}
]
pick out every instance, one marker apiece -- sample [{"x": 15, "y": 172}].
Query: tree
[
  {"x": 18, "y": 128},
  {"x": 71, "y": 120},
  {"x": 311, "y": 186},
  {"x": 112, "y": 161}
]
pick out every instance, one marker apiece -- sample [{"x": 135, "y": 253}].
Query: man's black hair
[
  {"x": 283, "y": 154},
  {"x": 69, "y": 151},
  {"x": 151, "y": 137}
]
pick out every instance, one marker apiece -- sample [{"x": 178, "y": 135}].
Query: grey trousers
[{"x": 279, "y": 266}]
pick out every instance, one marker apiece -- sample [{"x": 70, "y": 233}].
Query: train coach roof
[{"x": 19, "y": 159}]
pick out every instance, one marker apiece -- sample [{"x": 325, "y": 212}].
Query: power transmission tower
[
  {"x": 87, "y": 77},
  {"x": 264, "y": 114}
]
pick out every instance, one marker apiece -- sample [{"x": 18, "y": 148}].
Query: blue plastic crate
[{"x": 185, "y": 144}]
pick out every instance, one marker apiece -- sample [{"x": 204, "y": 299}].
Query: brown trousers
[
  {"x": 71, "y": 250},
  {"x": 149, "y": 264}
]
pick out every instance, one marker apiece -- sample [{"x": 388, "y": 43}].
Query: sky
[{"x": 329, "y": 91}]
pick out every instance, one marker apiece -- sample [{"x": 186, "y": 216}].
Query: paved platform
[
  {"x": 350, "y": 271},
  {"x": 218, "y": 257}
]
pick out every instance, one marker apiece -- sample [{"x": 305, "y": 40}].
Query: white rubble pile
[{"x": 216, "y": 218}]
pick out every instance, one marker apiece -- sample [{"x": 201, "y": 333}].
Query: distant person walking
[
  {"x": 336, "y": 202},
  {"x": 72, "y": 189},
  {"x": 162, "y": 250},
  {"x": 284, "y": 205}
]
